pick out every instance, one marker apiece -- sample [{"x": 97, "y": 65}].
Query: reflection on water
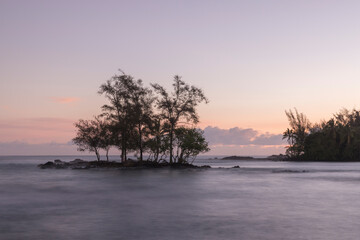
[{"x": 260, "y": 200}]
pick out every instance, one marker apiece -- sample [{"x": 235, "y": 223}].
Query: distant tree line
[
  {"x": 337, "y": 139},
  {"x": 145, "y": 121}
]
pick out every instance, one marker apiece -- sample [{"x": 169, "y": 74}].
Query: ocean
[{"x": 259, "y": 200}]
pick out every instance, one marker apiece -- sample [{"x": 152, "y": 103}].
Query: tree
[
  {"x": 129, "y": 122},
  {"x": 178, "y": 105},
  {"x": 106, "y": 135},
  {"x": 348, "y": 131},
  {"x": 88, "y": 136},
  {"x": 338, "y": 139},
  {"x": 142, "y": 100},
  {"x": 190, "y": 142},
  {"x": 157, "y": 143},
  {"x": 299, "y": 129},
  {"x": 119, "y": 91}
]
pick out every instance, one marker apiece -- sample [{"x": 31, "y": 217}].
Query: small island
[
  {"x": 79, "y": 164},
  {"x": 280, "y": 157},
  {"x": 158, "y": 126},
  {"x": 237, "y": 158}
]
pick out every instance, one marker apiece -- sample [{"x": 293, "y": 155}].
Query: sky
[{"x": 253, "y": 59}]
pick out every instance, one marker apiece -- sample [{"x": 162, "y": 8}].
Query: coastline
[{"x": 130, "y": 164}]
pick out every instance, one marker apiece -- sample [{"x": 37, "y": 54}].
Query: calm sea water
[{"x": 260, "y": 200}]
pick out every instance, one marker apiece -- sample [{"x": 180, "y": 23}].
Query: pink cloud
[
  {"x": 239, "y": 141},
  {"x": 238, "y": 136},
  {"x": 34, "y": 135},
  {"x": 5, "y": 107},
  {"x": 64, "y": 99},
  {"x": 252, "y": 150}
]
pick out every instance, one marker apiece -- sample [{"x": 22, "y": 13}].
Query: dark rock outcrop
[
  {"x": 80, "y": 164},
  {"x": 280, "y": 157},
  {"x": 47, "y": 165}
]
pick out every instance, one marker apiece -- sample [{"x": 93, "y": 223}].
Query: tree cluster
[
  {"x": 337, "y": 139},
  {"x": 146, "y": 121}
]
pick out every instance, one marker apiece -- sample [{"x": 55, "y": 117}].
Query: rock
[
  {"x": 79, "y": 164},
  {"x": 77, "y": 161},
  {"x": 238, "y": 158},
  {"x": 236, "y": 166},
  {"x": 205, "y": 166},
  {"x": 47, "y": 165},
  {"x": 279, "y": 157},
  {"x": 130, "y": 164},
  {"x": 58, "y": 164}
]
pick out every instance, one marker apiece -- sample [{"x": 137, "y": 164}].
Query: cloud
[
  {"x": 4, "y": 107},
  {"x": 64, "y": 99},
  {"x": 238, "y": 137},
  {"x": 269, "y": 139},
  {"x": 246, "y": 150},
  {"x": 50, "y": 136}
]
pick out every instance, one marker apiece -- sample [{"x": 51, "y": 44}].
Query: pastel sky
[{"x": 253, "y": 59}]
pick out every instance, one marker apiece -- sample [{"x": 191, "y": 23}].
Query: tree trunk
[
  {"x": 97, "y": 154},
  {"x": 157, "y": 148},
  {"x": 123, "y": 149},
  {"x": 181, "y": 160},
  {"x": 107, "y": 154},
  {"x": 171, "y": 143},
  {"x": 141, "y": 143},
  {"x": 124, "y": 143}
]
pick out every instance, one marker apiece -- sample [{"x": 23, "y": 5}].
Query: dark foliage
[
  {"x": 337, "y": 139},
  {"x": 135, "y": 120},
  {"x": 178, "y": 105}
]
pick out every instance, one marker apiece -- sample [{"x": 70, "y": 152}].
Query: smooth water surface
[{"x": 260, "y": 200}]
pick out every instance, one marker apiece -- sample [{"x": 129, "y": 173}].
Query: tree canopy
[
  {"x": 137, "y": 120},
  {"x": 337, "y": 139},
  {"x": 178, "y": 105},
  {"x": 88, "y": 136}
]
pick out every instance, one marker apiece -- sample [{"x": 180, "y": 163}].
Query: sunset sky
[{"x": 253, "y": 59}]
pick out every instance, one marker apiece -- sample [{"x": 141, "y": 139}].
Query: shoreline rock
[{"x": 79, "y": 164}]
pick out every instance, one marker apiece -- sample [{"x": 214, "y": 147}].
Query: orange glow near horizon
[
  {"x": 37, "y": 130},
  {"x": 64, "y": 99}
]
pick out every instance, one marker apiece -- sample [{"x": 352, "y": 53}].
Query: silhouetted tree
[
  {"x": 180, "y": 104},
  {"x": 88, "y": 136},
  {"x": 142, "y": 113},
  {"x": 157, "y": 143},
  {"x": 106, "y": 135},
  {"x": 299, "y": 129},
  {"x": 190, "y": 142},
  {"x": 130, "y": 123},
  {"x": 119, "y": 91},
  {"x": 338, "y": 139}
]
